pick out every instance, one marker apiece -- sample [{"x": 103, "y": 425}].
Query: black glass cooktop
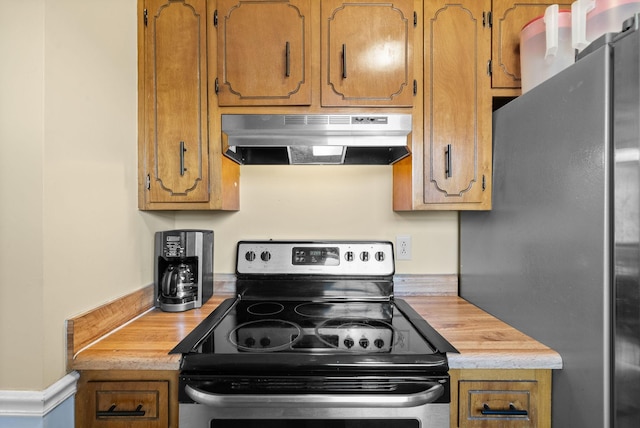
[{"x": 313, "y": 336}]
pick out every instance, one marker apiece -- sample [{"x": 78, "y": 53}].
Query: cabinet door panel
[
  {"x": 264, "y": 52},
  {"x": 496, "y": 404},
  {"x": 457, "y": 107},
  {"x": 127, "y": 404},
  {"x": 509, "y": 17},
  {"x": 176, "y": 140},
  {"x": 519, "y": 398},
  {"x": 367, "y": 51}
]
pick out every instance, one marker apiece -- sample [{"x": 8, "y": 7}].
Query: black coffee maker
[{"x": 183, "y": 269}]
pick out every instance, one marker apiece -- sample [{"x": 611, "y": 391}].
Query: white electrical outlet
[{"x": 403, "y": 247}]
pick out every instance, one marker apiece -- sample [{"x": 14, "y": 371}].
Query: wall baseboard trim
[{"x": 38, "y": 403}]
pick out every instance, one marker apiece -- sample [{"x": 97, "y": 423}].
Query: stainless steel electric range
[{"x": 314, "y": 338}]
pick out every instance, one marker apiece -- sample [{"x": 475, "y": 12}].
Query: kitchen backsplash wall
[{"x": 327, "y": 202}]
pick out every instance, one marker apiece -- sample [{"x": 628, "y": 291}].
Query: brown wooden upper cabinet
[
  {"x": 471, "y": 54},
  {"x": 506, "y": 19},
  {"x": 367, "y": 51},
  {"x": 201, "y": 58},
  {"x": 457, "y": 148},
  {"x": 175, "y": 66},
  {"x": 178, "y": 168},
  {"x": 264, "y": 52}
]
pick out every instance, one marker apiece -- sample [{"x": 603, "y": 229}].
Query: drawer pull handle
[
  {"x": 511, "y": 411},
  {"x": 113, "y": 412}
]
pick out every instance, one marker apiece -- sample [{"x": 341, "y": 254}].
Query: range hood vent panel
[{"x": 316, "y": 139}]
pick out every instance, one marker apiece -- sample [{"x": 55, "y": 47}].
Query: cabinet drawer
[
  {"x": 498, "y": 404},
  {"x": 128, "y": 403}
]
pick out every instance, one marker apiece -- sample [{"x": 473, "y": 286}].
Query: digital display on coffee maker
[
  {"x": 172, "y": 246},
  {"x": 325, "y": 256}
]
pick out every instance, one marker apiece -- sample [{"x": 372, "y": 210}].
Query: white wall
[
  {"x": 72, "y": 236},
  {"x": 94, "y": 238},
  {"x": 328, "y": 202},
  {"x": 21, "y": 143}
]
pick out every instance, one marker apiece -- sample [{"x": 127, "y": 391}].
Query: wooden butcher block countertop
[{"x": 143, "y": 343}]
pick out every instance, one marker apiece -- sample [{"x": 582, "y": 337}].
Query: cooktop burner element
[
  {"x": 266, "y": 335},
  {"x": 265, "y": 308},
  {"x": 359, "y": 334},
  {"x": 343, "y": 309}
]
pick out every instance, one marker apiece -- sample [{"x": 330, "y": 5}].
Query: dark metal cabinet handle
[
  {"x": 287, "y": 53},
  {"x": 344, "y": 61},
  {"x": 447, "y": 161},
  {"x": 182, "y": 150},
  {"x": 511, "y": 411},
  {"x": 113, "y": 412}
]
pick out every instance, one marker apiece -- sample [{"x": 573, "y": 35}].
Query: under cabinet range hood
[{"x": 257, "y": 139}]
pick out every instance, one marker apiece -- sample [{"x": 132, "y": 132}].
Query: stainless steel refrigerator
[{"x": 558, "y": 256}]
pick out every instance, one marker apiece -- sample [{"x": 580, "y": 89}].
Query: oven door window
[{"x": 315, "y": 423}]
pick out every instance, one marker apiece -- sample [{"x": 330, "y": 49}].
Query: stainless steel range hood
[{"x": 376, "y": 139}]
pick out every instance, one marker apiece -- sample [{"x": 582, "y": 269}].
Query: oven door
[{"x": 353, "y": 403}]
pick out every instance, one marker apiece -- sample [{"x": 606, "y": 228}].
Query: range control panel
[
  {"x": 360, "y": 258},
  {"x": 358, "y": 338}
]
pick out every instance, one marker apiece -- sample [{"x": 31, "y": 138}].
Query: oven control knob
[
  {"x": 249, "y": 342},
  {"x": 250, "y": 256},
  {"x": 364, "y": 342},
  {"x": 348, "y": 256},
  {"x": 265, "y": 341},
  {"x": 348, "y": 342},
  {"x": 380, "y": 256},
  {"x": 364, "y": 256},
  {"x": 379, "y": 343},
  {"x": 265, "y": 256}
]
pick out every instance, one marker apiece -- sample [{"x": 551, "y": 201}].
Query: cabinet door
[
  {"x": 498, "y": 398},
  {"x": 367, "y": 53},
  {"x": 134, "y": 404},
  {"x": 175, "y": 87},
  {"x": 494, "y": 403},
  {"x": 264, "y": 52},
  {"x": 509, "y": 16},
  {"x": 457, "y": 147}
]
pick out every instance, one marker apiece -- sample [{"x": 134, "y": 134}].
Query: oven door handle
[{"x": 429, "y": 395}]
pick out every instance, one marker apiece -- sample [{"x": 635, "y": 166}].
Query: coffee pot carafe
[
  {"x": 179, "y": 282},
  {"x": 183, "y": 271}
]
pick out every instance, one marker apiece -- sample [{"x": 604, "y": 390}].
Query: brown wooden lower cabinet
[
  {"x": 480, "y": 398},
  {"x": 127, "y": 398},
  {"x": 500, "y": 398}
]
